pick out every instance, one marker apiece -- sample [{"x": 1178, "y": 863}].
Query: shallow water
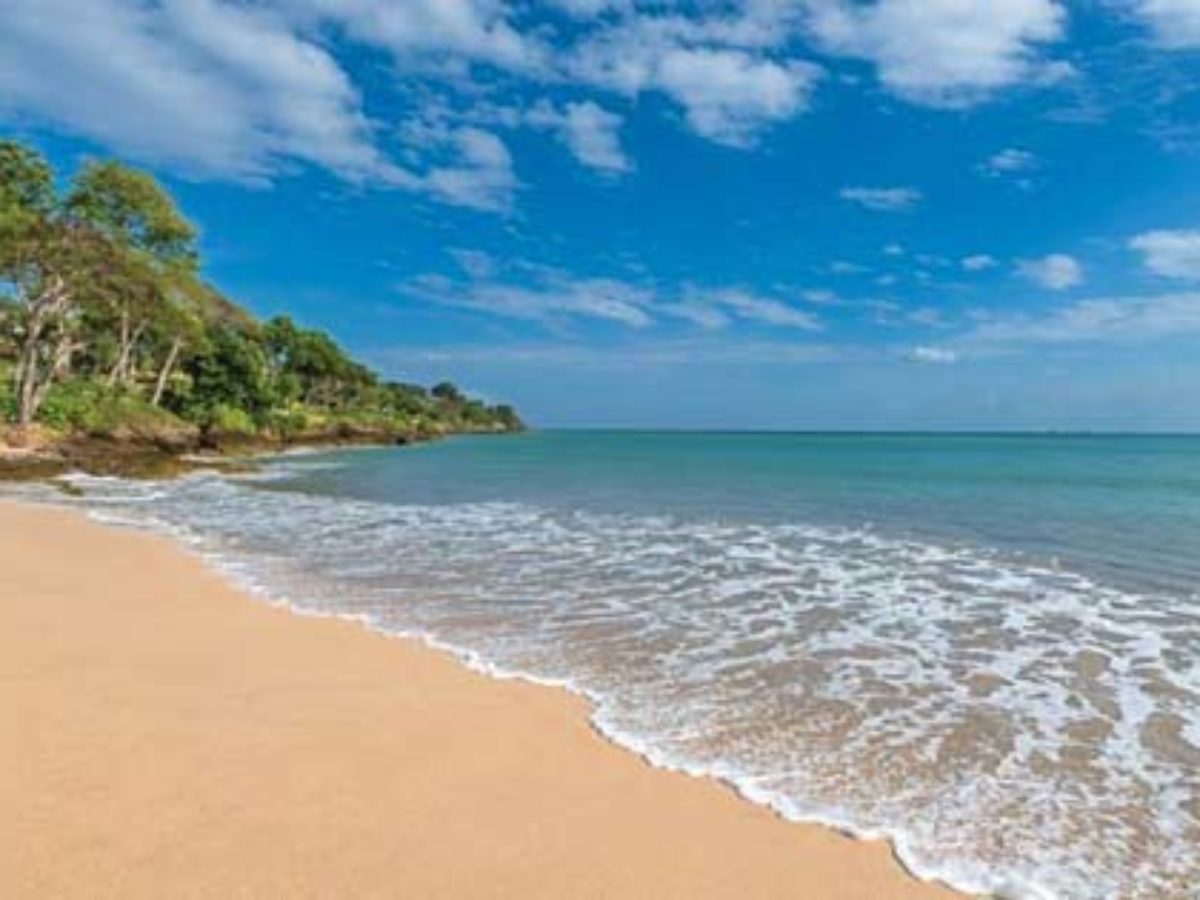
[{"x": 985, "y": 648}]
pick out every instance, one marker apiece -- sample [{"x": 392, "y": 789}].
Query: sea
[{"x": 983, "y": 648}]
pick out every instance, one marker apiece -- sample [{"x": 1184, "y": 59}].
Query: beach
[{"x": 167, "y": 735}]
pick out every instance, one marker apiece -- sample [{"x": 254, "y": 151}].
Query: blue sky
[{"x": 686, "y": 213}]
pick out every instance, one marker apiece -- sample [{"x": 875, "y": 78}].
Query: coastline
[
  {"x": 172, "y": 733},
  {"x": 42, "y": 455}
]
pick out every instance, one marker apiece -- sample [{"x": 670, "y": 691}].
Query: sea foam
[{"x": 1013, "y": 727}]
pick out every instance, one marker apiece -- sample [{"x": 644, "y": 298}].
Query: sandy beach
[{"x": 166, "y": 736}]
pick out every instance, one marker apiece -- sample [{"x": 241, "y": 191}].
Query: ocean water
[{"x": 985, "y": 648}]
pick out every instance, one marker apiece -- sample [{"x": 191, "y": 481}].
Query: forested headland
[{"x": 110, "y": 334}]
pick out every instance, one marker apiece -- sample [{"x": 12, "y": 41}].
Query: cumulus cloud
[
  {"x": 1056, "y": 272},
  {"x": 1174, "y": 23},
  {"x": 221, "y": 90},
  {"x": 423, "y": 33},
  {"x": 978, "y": 262},
  {"x": 590, "y": 132},
  {"x": 248, "y": 90},
  {"x": 728, "y": 93},
  {"x": 944, "y": 52},
  {"x": 1171, "y": 254},
  {"x": 209, "y": 87},
  {"x": 892, "y": 199}
]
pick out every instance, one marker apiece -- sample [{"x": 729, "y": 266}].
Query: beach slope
[{"x": 163, "y": 735}]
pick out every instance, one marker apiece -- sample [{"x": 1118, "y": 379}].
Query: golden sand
[{"x": 163, "y": 735}]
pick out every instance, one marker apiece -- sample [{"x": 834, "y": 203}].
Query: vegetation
[{"x": 108, "y": 329}]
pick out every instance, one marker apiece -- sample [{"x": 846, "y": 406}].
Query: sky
[{"x": 741, "y": 214}]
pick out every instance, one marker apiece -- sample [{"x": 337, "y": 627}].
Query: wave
[{"x": 1012, "y": 727}]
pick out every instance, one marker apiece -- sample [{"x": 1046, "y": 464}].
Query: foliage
[
  {"x": 106, "y": 327},
  {"x": 84, "y": 406},
  {"x": 225, "y": 419}
]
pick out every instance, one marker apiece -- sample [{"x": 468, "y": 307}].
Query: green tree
[
  {"x": 37, "y": 263},
  {"x": 154, "y": 249},
  {"x": 106, "y": 252},
  {"x": 230, "y": 370}
]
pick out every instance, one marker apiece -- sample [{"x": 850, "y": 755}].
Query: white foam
[{"x": 984, "y": 713}]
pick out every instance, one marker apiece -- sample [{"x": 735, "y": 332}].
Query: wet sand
[{"x": 164, "y": 735}]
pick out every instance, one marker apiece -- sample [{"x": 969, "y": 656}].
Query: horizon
[{"x": 619, "y": 215}]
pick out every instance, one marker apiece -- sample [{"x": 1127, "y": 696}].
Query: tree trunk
[
  {"x": 33, "y": 378},
  {"x": 57, "y": 366},
  {"x": 165, "y": 372},
  {"x": 122, "y": 348},
  {"x": 128, "y": 337},
  {"x": 122, "y": 369}
]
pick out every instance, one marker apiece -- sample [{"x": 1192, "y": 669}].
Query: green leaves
[
  {"x": 132, "y": 210},
  {"x": 26, "y": 180}
]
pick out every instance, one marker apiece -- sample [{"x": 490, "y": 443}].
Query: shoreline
[
  {"x": 43, "y": 457},
  {"x": 536, "y": 761}
]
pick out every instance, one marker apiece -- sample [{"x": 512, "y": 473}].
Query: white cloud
[
  {"x": 892, "y": 199},
  {"x": 553, "y": 296},
  {"x": 1171, "y": 254},
  {"x": 429, "y": 32},
  {"x": 556, "y": 297},
  {"x": 934, "y": 355},
  {"x": 221, "y": 90},
  {"x": 766, "y": 310},
  {"x": 1120, "y": 319},
  {"x": 1056, "y": 272},
  {"x": 244, "y": 91},
  {"x": 845, "y": 267},
  {"x": 705, "y": 315},
  {"x": 211, "y": 88},
  {"x": 821, "y": 297},
  {"x": 728, "y": 93},
  {"x": 893, "y": 250},
  {"x": 1009, "y": 161},
  {"x": 481, "y": 177},
  {"x": 1174, "y": 23},
  {"x": 978, "y": 262},
  {"x": 591, "y": 133},
  {"x": 944, "y": 52},
  {"x": 640, "y": 353}
]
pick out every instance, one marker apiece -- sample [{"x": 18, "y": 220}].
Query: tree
[
  {"x": 154, "y": 248},
  {"x": 176, "y": 328},
  {"x": 230, "y": 370},
  {"x": 108, "y": 250},
  {"x": 447, "y": 393},
  {"x": 36, "y": 262},
  {"x": 99, "y": 286}
]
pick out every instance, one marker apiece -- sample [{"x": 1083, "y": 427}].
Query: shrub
[
  {"x": 230, "y": 420},
  {"x": 289, "y": 423},
  {"x": 73, "y": 406},
  {"x": 90, "y": 408}
]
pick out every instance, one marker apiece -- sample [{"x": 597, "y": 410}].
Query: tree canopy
[{"x": 103, "y": 308}]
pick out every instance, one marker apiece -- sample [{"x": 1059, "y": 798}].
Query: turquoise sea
[{"x": 986, "y": 648}]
